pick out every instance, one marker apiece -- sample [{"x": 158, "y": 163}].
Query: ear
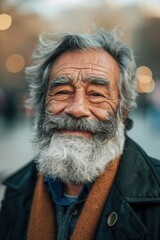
[
  {"x": 124, "y": 115},
  {"x": 128, "y": 123},
  {"x": 126, "y": 120}
]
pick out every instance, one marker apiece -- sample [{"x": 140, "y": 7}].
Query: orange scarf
[{"x": 42, "y": 219}]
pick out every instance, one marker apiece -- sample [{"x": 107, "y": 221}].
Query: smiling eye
[
  {"x": 62, "y": 92},
  {"x": 62, "y": 95},
  {"x": 96, "y": 94},
  {"x": 96, "y": 97}
]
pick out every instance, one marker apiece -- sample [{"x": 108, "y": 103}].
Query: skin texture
[
  {"x": 89, "y": 89},
  {"x": 83, "y": 98}
]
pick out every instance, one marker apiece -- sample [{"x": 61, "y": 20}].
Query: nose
[{"x": 78, "y": 107}]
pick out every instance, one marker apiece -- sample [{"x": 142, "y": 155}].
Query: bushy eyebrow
[
  {"x": 98, "y": 80},
  {"x": 64, "y": 80},
  {"x": 58, "y": 81}
]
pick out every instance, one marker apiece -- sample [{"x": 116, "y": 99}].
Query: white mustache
[{"x": 65, "y": 122}]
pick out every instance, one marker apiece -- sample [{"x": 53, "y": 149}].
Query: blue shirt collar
[{"x": 56, "y": 191}]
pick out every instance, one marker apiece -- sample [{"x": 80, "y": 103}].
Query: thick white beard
[{"x": 79, "y": 160}]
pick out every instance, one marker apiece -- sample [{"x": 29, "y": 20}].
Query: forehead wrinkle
[
  {"x": 96, "y": 80},
  {"x": 85, "y": 66},
  {"x": 77, "y": 65},
  {"x": 99, "y": 73},
  {"x": 71, "y": 71},
  {"x": 82, "y": 76}
]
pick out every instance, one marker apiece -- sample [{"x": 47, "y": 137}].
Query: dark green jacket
[{"x": 133, "y": 203}]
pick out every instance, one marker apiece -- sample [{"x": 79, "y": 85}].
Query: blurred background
[{"x": 21, "y": 21}]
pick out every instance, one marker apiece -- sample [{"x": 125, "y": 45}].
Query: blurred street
[{"x": 16, "y": 148}]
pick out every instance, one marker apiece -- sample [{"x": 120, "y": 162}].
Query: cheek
[
  {"x": 55, "y": 107},
  {"x": 100, "y": 113}
]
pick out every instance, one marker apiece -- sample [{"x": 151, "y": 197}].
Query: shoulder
[
  {"x": 131, "y": 147},
  {"x": 135, "y": 149},
  {"x": 156, "y": 166},
  {"x": 23, "y": 177},
  {"x": 135, "y": 168},
  {"x": 17, "y": 201}
]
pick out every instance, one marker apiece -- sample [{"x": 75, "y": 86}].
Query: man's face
[
  {"x": 83, "y": 84},
  {"x": 80, "y": 132}
]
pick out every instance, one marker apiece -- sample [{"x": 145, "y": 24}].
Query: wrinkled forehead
[{"x": 88, "y": 62}]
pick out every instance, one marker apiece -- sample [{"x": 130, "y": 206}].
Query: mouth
[{"x": 77, "y": 133}]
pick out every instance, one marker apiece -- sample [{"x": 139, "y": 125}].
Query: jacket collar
[
  {"x": 23, "y": 179},
  {"x": 137, "y": 175}
]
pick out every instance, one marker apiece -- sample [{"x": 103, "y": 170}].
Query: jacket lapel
[
  {"x": 17, "y": 214},
  {"x": 18, "y": 200},
  {"x": 137, "y": 175},
  {"x": 127, "y": 226},
  {"x": 133, "y": 185}
]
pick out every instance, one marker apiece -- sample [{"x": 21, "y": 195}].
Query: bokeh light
[
  {"x": 145, "y": 82},
  {"x": 15, "y": 63},
  {"x": 146, "y": 87},
  {"x": 5, "y": 21},
  {"x": 144, "y": 71}
]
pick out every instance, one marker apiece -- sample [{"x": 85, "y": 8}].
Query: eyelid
[
  {"x": 61, "y": 95},
  {"x": 63, "y": 91},
  {"x": 96, "y": 92}
]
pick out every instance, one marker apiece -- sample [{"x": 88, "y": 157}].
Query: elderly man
[{"x": 88, "y": 180}]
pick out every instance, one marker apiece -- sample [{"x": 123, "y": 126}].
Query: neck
[{"x": 72, "y": 189}]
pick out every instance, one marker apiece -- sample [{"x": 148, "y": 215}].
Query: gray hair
[{"x": 51, "y": 46}]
